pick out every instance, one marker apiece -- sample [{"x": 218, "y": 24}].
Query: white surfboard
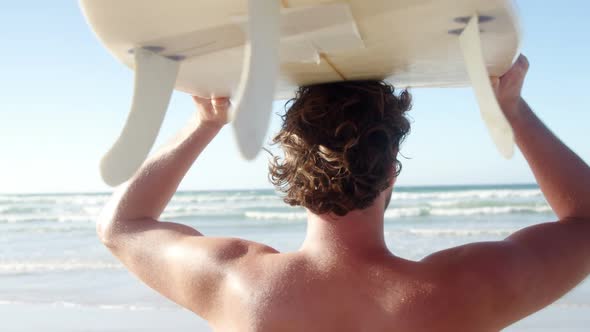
[{"x": 260, "y": 50}]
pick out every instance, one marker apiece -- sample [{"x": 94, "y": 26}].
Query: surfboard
[{"x": 259, "y": 50}]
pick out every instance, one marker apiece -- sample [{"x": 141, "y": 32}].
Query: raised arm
[
  {"x": 554, "y": 257},
  {"x": 149, "y": 191},
  {"x": 174, "y": 259},
  {"x": 532, "y": 268},
  {"x": 563, "y": 177}
]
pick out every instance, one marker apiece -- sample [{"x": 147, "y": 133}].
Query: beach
[
  {"x": 56, "y": 276},
  {"x": 64, "y": 318}
]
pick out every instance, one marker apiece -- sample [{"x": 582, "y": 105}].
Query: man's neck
[{"x": 357, "y": 235}]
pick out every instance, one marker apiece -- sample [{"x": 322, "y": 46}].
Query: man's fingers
[
  {"x": 200, "y": 99},
  {"x": 220, "y": 103},
  {"x": 523, "y": 62},
  {"x": 521, "y": 66},
  {"x": 217, "y": 104},
  {"x": 517, "y": 72},
  {"x": 495, "y": 82}
]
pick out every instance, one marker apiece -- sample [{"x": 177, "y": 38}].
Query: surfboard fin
[
  {"x": 155, "y": 76},
  {"x": 498, "y": 127},
  {"x": 255, "y": 92}
]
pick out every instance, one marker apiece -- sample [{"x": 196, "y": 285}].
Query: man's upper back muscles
[
  {"x": 524, "y": 273},
  {"x": 448, "y": 291}
]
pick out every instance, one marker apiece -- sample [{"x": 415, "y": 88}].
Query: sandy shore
[{"x": 61, "y": 318}]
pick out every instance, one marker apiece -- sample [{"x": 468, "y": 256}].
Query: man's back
[
  {"x": 296, "y": 292},
  {"x": 341, "y": 143}
]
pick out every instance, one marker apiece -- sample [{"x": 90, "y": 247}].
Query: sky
[{"x": 64, "y": 99}]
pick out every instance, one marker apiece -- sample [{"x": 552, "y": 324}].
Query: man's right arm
[{"x": 537, "y": 265}]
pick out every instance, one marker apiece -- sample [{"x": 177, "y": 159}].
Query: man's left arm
[{"x": 174, "y": 259}]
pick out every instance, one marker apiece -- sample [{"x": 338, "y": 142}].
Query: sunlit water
[{"x": 50, "y": 255}]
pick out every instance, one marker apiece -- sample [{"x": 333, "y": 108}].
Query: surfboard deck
[{"x": 231, "y": 48}]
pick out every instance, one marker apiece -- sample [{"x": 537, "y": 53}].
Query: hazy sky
[{"x": 63, "y": 99}]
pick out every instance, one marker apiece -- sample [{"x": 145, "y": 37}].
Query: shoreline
[{"x": 64, "y": 318}]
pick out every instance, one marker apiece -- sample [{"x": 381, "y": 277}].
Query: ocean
[{"x": 55, "y": 275}]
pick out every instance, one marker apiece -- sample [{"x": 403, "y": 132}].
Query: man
[{"x": 341, "y": 141}]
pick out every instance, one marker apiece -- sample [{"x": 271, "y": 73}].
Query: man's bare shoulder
[{"x": 513, "y": 278}]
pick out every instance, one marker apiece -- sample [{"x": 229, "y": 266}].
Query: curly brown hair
[{"x": 340, "y": 143}]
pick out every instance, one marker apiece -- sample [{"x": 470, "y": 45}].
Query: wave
[
  {"x": 468, "y": 194},
  {"x": 75, "y": 305},
  {"x": 406, "y": 212},
  {"x": 459, "y": 232},
  {"x": 55, "y": 266},
  {"x": 26, "y": 209},
  {"x": 260, "y": 215},
  {"x": 55, "y": 228},
  {"x": 72, "y": 199},
  {"x": 188, "y": 214},
  {"x": 80, "y": 209},
  {"x": 144, "y": 307},
  {"x": 569, "y": 305},
  {"x": 419, "y": 211},
  {"x": 99, "y": 200},
  {"x": 14, "y": 219},
  {"x": 202, "y": 214},
  {"x": 490, "y": 210},
  {"x": 215, "y": 208},
  {"x": 220, "y": 198}
]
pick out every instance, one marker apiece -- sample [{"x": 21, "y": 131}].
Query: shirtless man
[{"x": 344, "y": 278}]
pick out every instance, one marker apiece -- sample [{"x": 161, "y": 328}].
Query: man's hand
[
  {"x": 508, "y": 88},
  {"x": 214, "y": 111}
]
